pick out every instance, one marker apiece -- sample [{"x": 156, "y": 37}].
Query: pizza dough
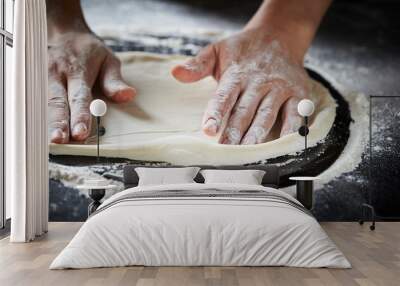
[{"x": 163, "y": 122}]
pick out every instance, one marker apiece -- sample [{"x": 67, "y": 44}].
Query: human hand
[
  {"x": 259, "y": 74},
  {"x": 78, "y": 60}
]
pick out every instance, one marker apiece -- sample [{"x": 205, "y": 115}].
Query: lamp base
[
  {"x": 304, "y": 193},
  {"x": 102, "y": 131},
  {"x": 303, "y": 130}
]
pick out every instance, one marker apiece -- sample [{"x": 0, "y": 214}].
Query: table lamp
[
  {"x": 98, "y": 108},
  {"x": 305, "y": 108}
]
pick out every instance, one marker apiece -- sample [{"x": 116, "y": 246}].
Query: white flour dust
[
  {"x": 356, "y": 145},
  {"x": 72, "y": 176},
  {"x": 358, "y": 140}
]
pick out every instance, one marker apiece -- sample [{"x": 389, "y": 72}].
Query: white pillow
[
  {"x": 165, "y": 176},
  {"x": 248, "y": 177}
]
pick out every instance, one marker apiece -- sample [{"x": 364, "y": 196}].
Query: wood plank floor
[{"x": 375, "y": 257}]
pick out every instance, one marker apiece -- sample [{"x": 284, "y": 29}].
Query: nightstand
[
  {"x": 304, "y": 190},
  {"x": 96, "y": 193}
]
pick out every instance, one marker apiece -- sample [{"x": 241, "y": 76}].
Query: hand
[
  {"x": 258, "y": 76},
  {"x": 78, "y": 60}
]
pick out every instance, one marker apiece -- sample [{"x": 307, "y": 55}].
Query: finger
[
  {"x": 265, "y": 117},
  {"x": 58, "y": 111},
  {"x": 79, "y": 97},
  {"x": 112, "y": 83},
  {"x": 196, "y": 68},
  {"x": 242, "y": 115},
  {"x": 222, "y": 101},
  {"x": 290, "y": 117}
]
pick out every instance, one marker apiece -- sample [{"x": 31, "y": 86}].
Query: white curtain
[{"x": 26, "y": 124}]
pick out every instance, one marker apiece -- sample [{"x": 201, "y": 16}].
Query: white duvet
[{"x": 190, "y": 231}]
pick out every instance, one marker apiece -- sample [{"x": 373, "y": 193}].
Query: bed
[{"x": 198, "y": 224}]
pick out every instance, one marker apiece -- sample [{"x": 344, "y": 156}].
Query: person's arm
[
  {"x": 259, "y": 71},
  {"x": 296, "y": 21},
  {"x": 64, "y": 16},
  {"x": 77, "y": 59}
]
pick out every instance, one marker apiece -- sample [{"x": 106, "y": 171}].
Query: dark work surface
[
  {"x": 359, "y": 45},
  {"x": 385, "y": 156},
  {"x": 66, "y": 204}
]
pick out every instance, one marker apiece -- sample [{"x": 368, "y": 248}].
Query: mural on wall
[{"x": 164, "y": 121}]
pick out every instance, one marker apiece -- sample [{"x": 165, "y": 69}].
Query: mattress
[{"x": 201, "y": 225}]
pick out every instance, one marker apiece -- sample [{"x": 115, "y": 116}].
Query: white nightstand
[
  {"x": 96, "y": 193},
  {"x": 304, "y": 190}
]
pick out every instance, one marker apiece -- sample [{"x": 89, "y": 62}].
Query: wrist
[
  {"x": 295, "y": 42},
  {"x": 65, "y": 16},
  {"x": 292, "y": 22},
  {"x": 57, "y": 30}
]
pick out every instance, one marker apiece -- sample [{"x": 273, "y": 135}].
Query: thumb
[
  {"x": 198, "y": 67},
  {"x": 112, "y": 84}
]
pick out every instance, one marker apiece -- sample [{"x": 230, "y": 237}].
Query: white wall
[
  {"x": 9, "y": 24},
  {"x": 8, "y": 69}
]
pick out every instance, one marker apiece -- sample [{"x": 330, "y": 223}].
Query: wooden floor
[{"x": 375, "y": 257}]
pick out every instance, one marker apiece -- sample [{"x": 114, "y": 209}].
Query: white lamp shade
[
  {"x": 98, "y": 107},
  {"x": 305, "y": 107}
]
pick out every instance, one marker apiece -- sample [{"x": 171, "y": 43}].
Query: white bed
[{"x": 267, "y": 229}]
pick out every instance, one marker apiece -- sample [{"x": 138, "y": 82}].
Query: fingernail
[
  {"x": 57, "y": 133},
  {"x": 225, "y": 141},
  {"x": 124, "y": 95},
  {"x": 229, "y": 141},
  {"x": 222, "y": 139},
  {"x": 121, "y": 96},
  {"x": 192, "y": 66},
  {"x": 58, "y": 136},
  {"x": 79, "y": 129},
  {"x": 210, "y": 127}
]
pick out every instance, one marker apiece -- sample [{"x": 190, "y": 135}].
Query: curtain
[{"x": 26, "y": 124}]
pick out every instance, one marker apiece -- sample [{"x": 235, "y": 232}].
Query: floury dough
[{"x": 163, "y": 122}]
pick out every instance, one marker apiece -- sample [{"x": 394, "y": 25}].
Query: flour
[
  {"x": 263, "y": 77},
  {"x": 232, "y": 135},
  {"x": 72, "y": 176},
  {"x": 223, "y": 100},
  {"x": 351, "y": 156},
  {"x": 357, "y": 143}
]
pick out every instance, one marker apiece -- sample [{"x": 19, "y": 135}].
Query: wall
[{"x": 347, "y": 55}]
